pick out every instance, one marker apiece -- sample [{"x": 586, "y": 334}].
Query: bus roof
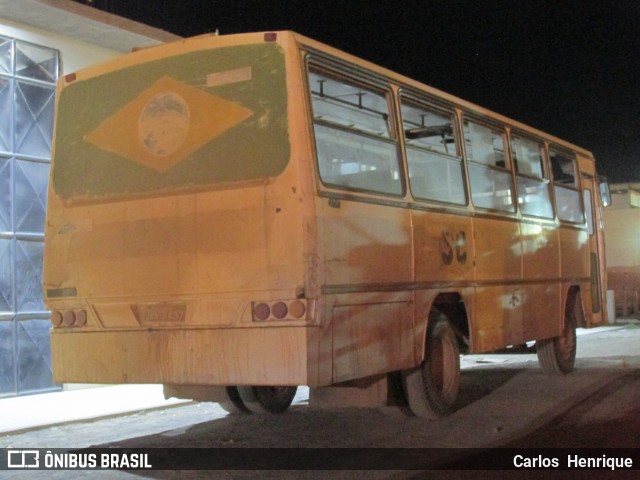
[{"x": 209, "y": 40}]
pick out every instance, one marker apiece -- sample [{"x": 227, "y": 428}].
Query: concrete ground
[
  {"x": 37, "y": 411},
  {"x": 505, "y": 400},
  {"x": 46, "y": 409}
]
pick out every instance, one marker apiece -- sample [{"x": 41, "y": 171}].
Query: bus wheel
[
  {"x": 267, "y": 399},
  {"x": 557, "y": 355},
  {"x": 432, "y": 388},
  {"x": 233, "y": 403}
]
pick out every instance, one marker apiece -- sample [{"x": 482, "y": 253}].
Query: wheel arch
[
  {"x": 452, "y": 305},
  {"x": 574, "y": 307}
]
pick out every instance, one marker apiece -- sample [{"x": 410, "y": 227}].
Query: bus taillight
[
  {"x": 279, "y": 310},
  {"x": 56, "y": 318},
  {"x": 68, "y": 318},
  {"x": 261, "y": 311}
]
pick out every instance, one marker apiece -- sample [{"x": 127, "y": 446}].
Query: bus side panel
[
  {"x": 530, "y": 307},
  {"x": 499, "y": 318},
  {"x": 443, "y": 248},
  {"x": 541, "y": 252},
  {"x": 365, "y": 246},
  {"x": 498, "y": 251},
  {"x": 514, "y": 314},
  {"x": 366, "y": 252},
  {"x": 544, "y": 311},
  {"x": 574, "y": 254},
  {"x": 541, "y": 263},
  {"x": 372, "y": 333}
]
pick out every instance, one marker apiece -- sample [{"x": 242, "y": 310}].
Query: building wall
[
  {"x": 75, "y": 54},
  {"x": 622, "y": 241},
  {"x": 31, "y": 61},
  {"x": 622, "y": 231}
]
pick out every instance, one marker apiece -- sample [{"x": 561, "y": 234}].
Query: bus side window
[
  {"x": 565, "y": 186},
  {"x": 433, "y": 154},
  {"x": 354, "y": 141},
  {"x": 533, "y": 188},
  {"x": 489, "y": 177}
]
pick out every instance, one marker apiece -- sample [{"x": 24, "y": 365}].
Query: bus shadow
[
  {"x": 477, "y": 383},
  {"x": 318, "y": 429}
]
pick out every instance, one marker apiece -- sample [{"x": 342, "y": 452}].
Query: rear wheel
[
  {"x": 233, "y": 403},
  {"x": 432, "y": 388},
  {"x": 267, "y": 399},
  {"x": 557, "y": 355}
]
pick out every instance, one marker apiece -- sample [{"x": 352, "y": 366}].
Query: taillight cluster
[
  {"x": 280, "y": 310},
  {"x": 68, "y": 318}
]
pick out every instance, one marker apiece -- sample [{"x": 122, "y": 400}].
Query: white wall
[
  {"x": 75, "y": 54},
  {"x": 622, "y": 232}
]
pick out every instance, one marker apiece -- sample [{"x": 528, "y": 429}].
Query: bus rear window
[{"x": 180, "y": 123}]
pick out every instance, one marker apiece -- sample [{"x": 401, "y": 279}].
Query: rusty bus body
[{"x": 232, "y": 216}]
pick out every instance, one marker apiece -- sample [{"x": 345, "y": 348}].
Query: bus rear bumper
[{"x": 220, "y": 356}]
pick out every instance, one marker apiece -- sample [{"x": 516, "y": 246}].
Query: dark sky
[{"x": 568, "y": 67}]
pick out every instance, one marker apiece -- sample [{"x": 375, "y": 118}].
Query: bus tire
[
  {"x": 431, "y": 389},
  {"x": 557, "y": 355},
  {"x": 267, "y": 399},
  {"x": 233, "y": 403}
]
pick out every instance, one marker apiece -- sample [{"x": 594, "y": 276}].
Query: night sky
[{"x": 566, "y": 67}]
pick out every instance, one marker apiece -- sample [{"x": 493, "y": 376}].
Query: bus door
[{"x": 593, "y": 212}]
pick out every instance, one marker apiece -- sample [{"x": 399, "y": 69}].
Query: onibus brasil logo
[{"x": 23, "y": 459}]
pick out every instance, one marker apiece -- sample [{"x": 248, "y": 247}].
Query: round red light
[
  {"x": 56, "y": 318},
  {"x": 280, "y": 310},
  {"x": 81, "y": 318},
  {"x": 68, "y": 318},
  {"x": 297, "y": 309},
  {"x": 261, "y": 311}
]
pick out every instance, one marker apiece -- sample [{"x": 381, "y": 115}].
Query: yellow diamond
[{"x": 166, "y": 123}]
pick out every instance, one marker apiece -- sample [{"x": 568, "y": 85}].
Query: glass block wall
[{"x": 28, "y": 74}]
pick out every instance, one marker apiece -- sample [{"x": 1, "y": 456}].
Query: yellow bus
[{"x": 236, "y": 216}]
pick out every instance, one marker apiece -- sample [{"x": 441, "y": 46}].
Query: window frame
[
  {"x": 369, "y": 81},
  {"x": 575, "y": 187},
  {"x": 420, "y": 101},
  {"x": 507, "y": 169},
  {"x": 541, "y": 180}
]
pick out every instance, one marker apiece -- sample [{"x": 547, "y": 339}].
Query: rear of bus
[{"x": 175, "y": 249}]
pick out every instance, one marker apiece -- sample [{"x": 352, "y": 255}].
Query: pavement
[
  {"x": 25, "y": 413},
  {"x": 18, "y": 414}
]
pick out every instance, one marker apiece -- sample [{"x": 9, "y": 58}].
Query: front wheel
[
  {"x": 267, "y": 399},
  {"x": 432, "y": 388},
  {"x": 557, "y": 355}
]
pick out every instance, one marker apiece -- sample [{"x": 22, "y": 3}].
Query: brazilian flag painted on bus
[{"x": 183, "y": 122}]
